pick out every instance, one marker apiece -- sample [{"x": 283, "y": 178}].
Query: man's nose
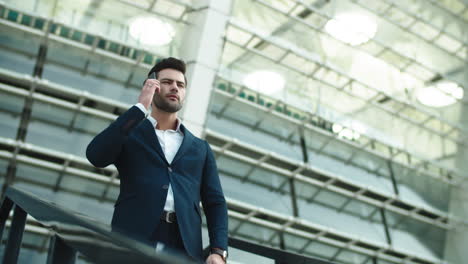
[{"x": 174, "y": 86}]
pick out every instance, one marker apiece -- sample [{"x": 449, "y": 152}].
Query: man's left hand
[{"x": 215, "y": 259}]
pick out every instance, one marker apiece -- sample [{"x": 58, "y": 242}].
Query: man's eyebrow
[{"x": 169, "y": 79}]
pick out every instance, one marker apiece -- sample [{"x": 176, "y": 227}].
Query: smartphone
[{"x": 152, "y": 75}]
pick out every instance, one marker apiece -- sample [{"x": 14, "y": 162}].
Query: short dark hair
[{"x": 169, "y": 63}]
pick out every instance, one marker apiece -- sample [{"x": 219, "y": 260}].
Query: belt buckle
[{"x": 168, "y": 219}]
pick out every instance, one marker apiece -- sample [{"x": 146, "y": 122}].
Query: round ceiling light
[
  {"x": 354, "y": 29},
  {"x": 441, "y": 94},
  {"x": 345, "y": 133},
  {"x": 266, "y": 82},
  {"x": 151, "y": 31}
]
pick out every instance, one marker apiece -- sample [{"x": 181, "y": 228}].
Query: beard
[{"x": 166, "y": 106}]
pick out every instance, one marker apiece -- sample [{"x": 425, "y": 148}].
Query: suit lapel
[
  {"x": 149, "y": 135},
  {"x": 186, "y": 143}
]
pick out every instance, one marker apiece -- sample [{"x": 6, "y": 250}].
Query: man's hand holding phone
[{"x": 150, "y": 87}]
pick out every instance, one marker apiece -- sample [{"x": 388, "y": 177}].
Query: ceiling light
[
  {"x": 354, "y": 29},
  {"x": 336, "y": 128},
  {"x": 266, "y": 82},
  {"x": 441, "y": 94},
  {"x": 345, "y": 133},
  {"x": 151, "y": 31}
]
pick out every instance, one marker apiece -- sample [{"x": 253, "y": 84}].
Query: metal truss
[
  {"x": 94, "y": 44},
  {"x": 116, "y": 50},
  {"x": 461, "y": 7},
  {"x": 417, "y": 69},
  {"x": 54, "y": 160},
  {"x": 137, "y": 62},
  {"x": 76, "y": 100},
  {"x": 138, "y": 56},
  {"x": 184, "y": 7},
  {"x": 451, "y": 131},
  {"x": 81, "y": 97},
  {"x": 301, "y": 228},
  {"x": 305, "y": 119},
  {"x": 314, "y": 176},
  {"x": 46, "y": 158},
  {"x": 411, "y": 24},
  {"x": 222, "y": 145},
  {"x": 76, "y": 166}
]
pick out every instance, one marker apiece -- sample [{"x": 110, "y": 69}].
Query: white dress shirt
[{"x": 170, "y": 141}]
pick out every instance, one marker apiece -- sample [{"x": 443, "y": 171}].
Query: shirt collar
[{"x": 154, "y": 122}]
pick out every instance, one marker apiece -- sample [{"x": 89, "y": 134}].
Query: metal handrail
[{"x": 75, "y": 233}]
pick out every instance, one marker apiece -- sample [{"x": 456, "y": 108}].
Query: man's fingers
[
  {"x": 150, "y": 87},
  {"x": 151, "y": 83}
]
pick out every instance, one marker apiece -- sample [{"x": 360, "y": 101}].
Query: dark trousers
[{"x": 169, "y": 235}]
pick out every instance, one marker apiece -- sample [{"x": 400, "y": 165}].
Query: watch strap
[{"x": 221, "y": 252}]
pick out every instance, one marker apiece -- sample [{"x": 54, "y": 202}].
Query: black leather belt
[{"x": 169, "y": 217}]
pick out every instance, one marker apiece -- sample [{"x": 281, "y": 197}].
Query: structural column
[
  {"x": 201, "y": 50},
  {"x": 457, "y": 239}
]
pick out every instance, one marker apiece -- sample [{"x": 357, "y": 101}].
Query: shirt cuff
[{"x": 142, "y": 108}]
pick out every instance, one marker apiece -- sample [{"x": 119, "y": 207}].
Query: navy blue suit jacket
[{"x": 131, "y": 144}]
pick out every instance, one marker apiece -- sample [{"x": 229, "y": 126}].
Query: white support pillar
[
  {"x": 201, "y": 50},
  {"x": 457, "y": 240}
]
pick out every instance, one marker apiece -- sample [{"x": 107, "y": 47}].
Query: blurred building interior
[{"x": 339, "y": 126}]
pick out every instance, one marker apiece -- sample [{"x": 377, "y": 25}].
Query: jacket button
[
  {"x": 165, "y": 187},
  {"x": 169, "y": 169}
]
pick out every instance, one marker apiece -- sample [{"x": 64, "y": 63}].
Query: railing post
[
  {"x": 15, "y": 236},
  {"x": 4, "y": 213},
  {"x": 60, "y": 252}
]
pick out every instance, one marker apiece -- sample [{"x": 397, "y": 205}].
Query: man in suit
[{"x": 165, "y": 171}]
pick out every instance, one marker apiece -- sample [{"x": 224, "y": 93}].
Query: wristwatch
[{"x": 221, "y": 252}]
